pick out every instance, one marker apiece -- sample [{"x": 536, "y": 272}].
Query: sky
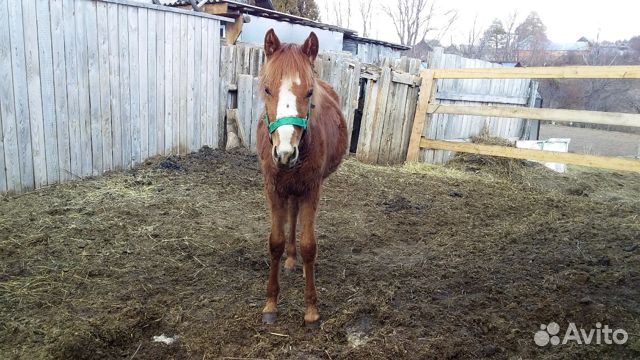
[{"x": 566, "y": 20}]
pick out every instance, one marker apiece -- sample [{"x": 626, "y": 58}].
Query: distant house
[
  {"x": 510, "y": 64},
  {"x": 422, "y": 50},
  {"x": 554, "y": 50},
  {"x": 253, "y": 18}
]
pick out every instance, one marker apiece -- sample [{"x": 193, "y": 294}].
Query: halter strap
[{"x": 288, "y": 120}]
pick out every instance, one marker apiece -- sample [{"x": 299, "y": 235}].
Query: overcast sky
[{"x": 566, "y": 20}]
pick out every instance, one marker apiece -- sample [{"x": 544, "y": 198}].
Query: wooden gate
[{"x": 428, "y": 108}]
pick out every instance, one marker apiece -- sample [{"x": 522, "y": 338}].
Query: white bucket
[{"x": 553, "y": 144}]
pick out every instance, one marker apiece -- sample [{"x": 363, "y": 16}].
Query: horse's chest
[{"x": 295, "y": 183}]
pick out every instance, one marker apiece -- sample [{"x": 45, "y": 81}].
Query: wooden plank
[
  {"x": 405, "y": 78},
  {"x": 21, "y": 95},
  {"x": 257, "y": 109},
  {"x": 83, "y": 87},
  {"x": 559, "y": 115},
  {"x": 420, "y": 119},
  {"x": 45, "y": 54},
  {"x": 234, "y": 120},
  {"x": 185, "y": 41},
  {"x": 115, "y": 86},
  {"x": 377, "y": 125},
  {"x": 565, "y": 72},
  {"x": 60, "y": 89},
  {"x": 364, "y": 140},
  {"x": 134, "y": 84},
  {"x": 202, "y": 72},
  {"x": 531, "y": 125},
  {"x": 35, "y": 114},
  {"x": 399, "y": 116},
  {"x": 216, "y": 133},
  {"x": 189, "y": 71},
  {"x": 227, "y": 64},
  {"x": 233, "y": 30},
  {"x": 125, "y": 90},
  {"x": 177, "y": 43},
  {"x": 161, "y": 42},
  {"x": 3, "y": 174},
  {"x": 245, "y": 98},
  {"x": 95, "y": 109},
  {"x": 7, "y": 106},
  {"x": 143, "y": 43},
  {"x": 409, "y": 116},
  {"x": 483, "y": 98},
  {"x": 171, "y": 80},
  {"x": 169, "y": 29},
  {"x": 152, "y": 68},
  {"x": 386, "y": 122},
  {"x": 604, "y": 162},
  {"x": 102, "y": 16}
]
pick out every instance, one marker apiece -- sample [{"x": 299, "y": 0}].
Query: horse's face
[{"x": 287, "y": 84}]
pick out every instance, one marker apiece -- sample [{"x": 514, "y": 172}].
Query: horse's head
[{"x": 287, "y": 88}]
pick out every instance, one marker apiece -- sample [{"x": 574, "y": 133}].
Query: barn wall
[
  {"x": 253, "y": 32},
  {"x": 375, "y": 53},
  {"x": 92, "y": 86}
]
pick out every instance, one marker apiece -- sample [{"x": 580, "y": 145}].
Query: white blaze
[{"x": 286, "y": 108}]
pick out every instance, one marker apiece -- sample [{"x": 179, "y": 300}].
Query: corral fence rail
[{"x": 427, "y": 107}]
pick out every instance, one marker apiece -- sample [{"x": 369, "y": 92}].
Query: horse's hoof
[
  {"x": 312, "y": 325},
  {"x": 269, "y": 318}
]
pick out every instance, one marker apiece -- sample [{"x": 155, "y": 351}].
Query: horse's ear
[
  {"x": 311, "y": 46},
  {"x": 271, "y": 43}
]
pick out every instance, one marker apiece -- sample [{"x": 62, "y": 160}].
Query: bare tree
[
  {"x": 510, "y": 37},
  {"x": 413, "y": 19},
  {"x": 366, "y": 11},
  {"x": 473, "y": 48},
  {"x": 342, "y": 14}
]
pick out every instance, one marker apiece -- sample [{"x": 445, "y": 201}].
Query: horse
[{"x": 301, "y": 140}]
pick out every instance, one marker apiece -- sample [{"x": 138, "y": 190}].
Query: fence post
[{"x": 427, "y": 91}]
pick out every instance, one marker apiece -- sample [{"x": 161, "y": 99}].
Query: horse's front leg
[
  {"x": 290, "y": 263},
  {"x": 308, "y": 248},
  {"x": 276, "y": 248}
]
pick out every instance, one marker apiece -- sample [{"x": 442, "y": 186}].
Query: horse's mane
[{"x": 288, "y": 61}]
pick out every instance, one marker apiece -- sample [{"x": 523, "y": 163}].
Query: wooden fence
[
  {"x": 391, "y": 93},
  {"x": 514, "y": 93},
  {"x": 427, "y": 109},
  {"x": 90, "y": 86}
]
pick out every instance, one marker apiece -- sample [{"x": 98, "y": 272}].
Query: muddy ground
[{"x": 463, "y": 261}]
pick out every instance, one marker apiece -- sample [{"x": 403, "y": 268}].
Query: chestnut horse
[{"x": 301, "y": 140}]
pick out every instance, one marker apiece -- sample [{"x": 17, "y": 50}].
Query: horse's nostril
[{"x": 274, "y": 152}]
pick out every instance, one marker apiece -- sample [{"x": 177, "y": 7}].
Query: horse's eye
[
  {"x": 267, "y": 91},
  {"x": 309, "y": 94}
]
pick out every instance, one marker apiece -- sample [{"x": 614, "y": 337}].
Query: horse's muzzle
[{"x": 285, "y": 158}]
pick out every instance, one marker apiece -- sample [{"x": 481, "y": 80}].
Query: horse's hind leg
[
  {"x": 290, "y": 263},
  {"x": 276, "y": 248}
]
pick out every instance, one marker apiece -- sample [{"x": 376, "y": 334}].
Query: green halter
[{"x": 289, "y": 120}]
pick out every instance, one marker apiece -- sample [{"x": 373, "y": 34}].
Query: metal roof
[
  {"x": 267, "y": 13},
  {"x": 267, "y": 4},
  {"x": 377, "y": 42}
]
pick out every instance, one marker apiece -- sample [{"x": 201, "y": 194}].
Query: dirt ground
[
  {"x": 594, "y": 141},
  {"x": 460, "y": 262}
]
